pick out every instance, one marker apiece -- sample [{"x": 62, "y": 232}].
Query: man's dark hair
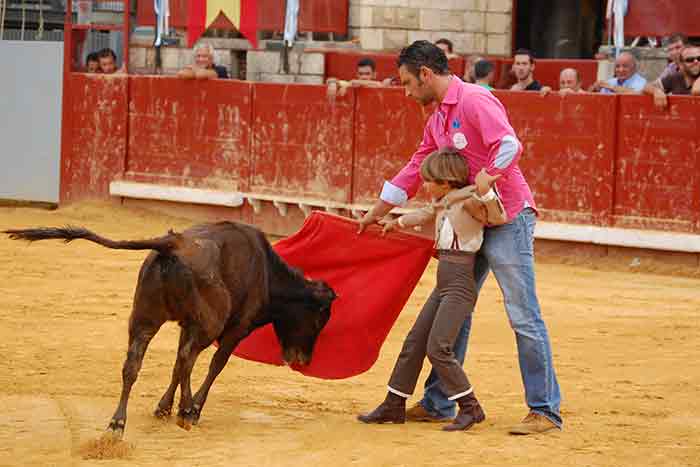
[
  {"x": 677, "y": 37},
  {"x": 107, "y": 52},
  {"x": 92, "y": 57},
  {"x": 447, "y": 42},
  {"x": 525, "y": 52},
  {"x": 482, "y": 68},
  {"x": 423, "y": 54},
  {"x": 367, "y": 62}
]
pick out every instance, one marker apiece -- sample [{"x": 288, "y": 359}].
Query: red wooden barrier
[
  {"x": 547, "y": 71},
  {"x": 343, "y": 65},
  {"x": 302, "y": 143},
  {"x": 590, "y": 159},
  {"x": 183, "y": 131},
  {"x": 657, "y": 179},
  {"x": 388, "y": 129},
  {"x": 93, "y": 148},
  {"x": 569, "y": 152}
]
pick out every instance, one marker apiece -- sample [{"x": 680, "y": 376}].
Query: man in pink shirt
[{"x": 475, "y": 122}]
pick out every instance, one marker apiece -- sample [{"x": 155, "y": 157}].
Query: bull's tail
[{"x": 69, "y": 233}]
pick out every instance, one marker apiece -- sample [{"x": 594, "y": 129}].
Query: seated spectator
[
  {"x": 366, "y": 75},
  {"x": 447, "y": 46},
  {"x": 523, "y": 69},
  {"x": 674, "y": 45},
  {"x": 569, "y": 83},
  {"x": 627, "y": 80},
  {"x": 469, "y": 68},
  {"x": 108, "y": 62},
  {"x": 483, "y": 74},
  {"x": 92, "y": 63},
  {"x": 686, "y": 82},
  {"x": 203, "y": 66}
]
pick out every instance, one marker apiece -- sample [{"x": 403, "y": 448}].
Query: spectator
[
  {"x": 108, "y": 61},
  {"x": 686, "y": 82},
  {"x": 569, "y": 83},
  {"x": 203, "y": 66},
  {"x": 483, "y": 74},
  {"x": 92, "y": 63},
  {"x": 446, "y": 46},
  {"x": 469, "y": 68},
  {"x": 674, "y": 46},
  {"x": 627, "y": 80},
  {"x": 523, "y": 69},
  {"x": 366, "y": 75}
]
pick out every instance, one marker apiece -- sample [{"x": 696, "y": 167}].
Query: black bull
[{"x": 219, "y": 282}]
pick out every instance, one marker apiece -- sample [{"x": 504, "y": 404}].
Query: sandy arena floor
[{"x": 626, "y": 351}]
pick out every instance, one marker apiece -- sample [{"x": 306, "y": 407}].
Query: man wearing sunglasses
[{"x": 683, "y": 83}]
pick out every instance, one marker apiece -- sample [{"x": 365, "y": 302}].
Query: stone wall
[{"x": 474, "y": 26}]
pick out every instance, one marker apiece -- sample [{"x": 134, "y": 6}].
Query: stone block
[
  {"x": 309, "y": 79},
  {"x": 395, "y": 39},
  {"x": 276, "y": 78},
  {"x": 396, "y": 3},
  {"x": 417, "y": 35},
  {"x": 451, "y": 20},
  {"x": 497, "y": 23},
  {"x": 312, "y": 64},
  {"x": 170, "y": 58},
  {"x": 498, "y": 44},
  {"x": 479, "y": 43},
  {"x": 465, "y": 4},
  {"x": 408, "y": 18},
  {"x": 361, "y": 16},
  {"x": 383, "y": 17},
  {"x": 371, "y": 39},
  {"x": 430, "y": 19},
  {"x": 500, "y": 6},
  {"x": 187, "y": 57},
  {"x": 474, "y": 21},
  {"x": 464, "y": 43},
  {"x": 137, "y": 57},
  {"x": 261, "y": 61}
]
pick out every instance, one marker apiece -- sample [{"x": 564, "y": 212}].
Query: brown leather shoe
[
  {"x": 470, "y": 413},
  {"x": 532, "y": 424},
  {"x": 417, "y": 413},
  {"x": 392, "y": 410}
]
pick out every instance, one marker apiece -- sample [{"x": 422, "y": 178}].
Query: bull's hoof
[
  {"x": 162, "y": 412},
  {"x": 115, "y": 430},
  {"x": 196, "y": 411},
  {"x": 184, "y": 419}
]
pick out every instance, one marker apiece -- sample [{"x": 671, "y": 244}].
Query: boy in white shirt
[{"x": 459, "y": 221}]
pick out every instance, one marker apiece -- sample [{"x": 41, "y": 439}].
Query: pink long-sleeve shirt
[{"x": 472, "y": 120}]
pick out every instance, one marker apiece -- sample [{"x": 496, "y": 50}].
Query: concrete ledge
[
  {"x": 609, "y": 236},
  {"x": 175, "y": 193}
]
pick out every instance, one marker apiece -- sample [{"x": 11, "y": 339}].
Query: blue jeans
[{"x": 508, "y": 251}]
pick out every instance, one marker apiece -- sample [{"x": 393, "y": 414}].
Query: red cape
[{"x": 373, "y": 277}]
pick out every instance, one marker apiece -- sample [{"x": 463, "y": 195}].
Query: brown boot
[
  {"x": 392, "y": 410},
  {"x": 470, "y": 412}
]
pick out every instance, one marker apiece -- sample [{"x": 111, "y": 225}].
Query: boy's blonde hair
[{"x": 445, "y": 165}]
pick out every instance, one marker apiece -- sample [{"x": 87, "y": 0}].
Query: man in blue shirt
[{"x": 627, "y": 79}]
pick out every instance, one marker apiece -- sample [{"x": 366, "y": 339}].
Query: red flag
[
  {"x": 243, "y": 14},
  {"x": 373, "y": 277}
]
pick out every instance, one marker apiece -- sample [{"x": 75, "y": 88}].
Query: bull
[{"x": 220, "y": 282}]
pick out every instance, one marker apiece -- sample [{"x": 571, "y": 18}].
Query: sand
[{"x": 626, "y": 349}]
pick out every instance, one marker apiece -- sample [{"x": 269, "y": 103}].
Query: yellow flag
[{"x": 230, "y": 8}]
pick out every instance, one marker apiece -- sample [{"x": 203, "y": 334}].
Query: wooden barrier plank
[
  {"x": 568, "y": 157},
  {"x": 388, "y": 129},
  {"x": 343, "y": 64},
  {"x": 658, "y": 166},
  {"x": 96, "y": 148},
  {"x": 302, "y": 142},
  {"x": 187, "y": 131}
]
